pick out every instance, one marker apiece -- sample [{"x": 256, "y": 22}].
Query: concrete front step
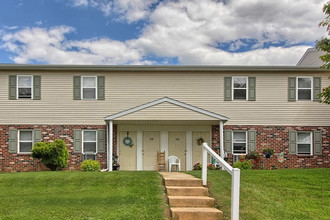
[
  {"x": 186, "y": 191},
  {"x": 183, "y": 182},
  {"x": 190, "y": 201},
  {"x": 196, "y": 214}
]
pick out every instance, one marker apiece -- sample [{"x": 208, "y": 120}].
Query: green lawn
[
  {"x": 275, "y": 194},
  {"x": 81, "y": 195}
]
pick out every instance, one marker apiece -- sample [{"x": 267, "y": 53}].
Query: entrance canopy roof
[{"x": 166, "y": 109}]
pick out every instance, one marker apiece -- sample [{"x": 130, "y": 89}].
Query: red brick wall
[
  {"x": 21, "y": 162},
  {"x": 277, "y": 137}
]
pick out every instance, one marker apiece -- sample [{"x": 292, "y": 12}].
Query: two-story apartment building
[{"x": 134, "y": 111}]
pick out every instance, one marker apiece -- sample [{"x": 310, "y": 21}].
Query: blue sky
[{"x": 152, "y": 32}]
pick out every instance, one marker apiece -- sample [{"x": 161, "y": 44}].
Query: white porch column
[
  {"x": 139, "y": 148},
  {"x": 110, "y": 145},
  {"x": 222, "y": 151},
  {"x": 189, "y": 150}
]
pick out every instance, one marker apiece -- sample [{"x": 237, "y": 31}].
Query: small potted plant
[
  {"x": 115, "y": 166},
  {"x": 242, "y": 158},
  {"x": 268, "y": 152},
  {"x": 253, "y": 155}
]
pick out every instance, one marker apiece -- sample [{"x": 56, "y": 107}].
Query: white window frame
[
  {"x": 297, "y": 88},
  {"x": 83, "y": 141},
  {"x": 246, "y": 141},
  {"x": 311, "y": 143},
  {"x": 19, "y": 141},
  {"x": 17, "y": 87},
  {"x": 82, "y": 87},
  {"x": 247, "y": 87}
]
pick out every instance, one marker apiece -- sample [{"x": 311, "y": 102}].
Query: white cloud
[
  {"x": 38, "y": 23},
  {"x": 51, "y": 46},
  {"x": 11, "y": 27},
  {"x": 78, "y": 3},
  {"x": 194, "y": 23},
  {"x": 133, "y": 10},
  {"x": 129, "y": 10},
  {"x": 194, "y": 31}
]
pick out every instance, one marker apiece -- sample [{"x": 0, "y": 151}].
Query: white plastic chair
[{"x": 173, "y": 161}]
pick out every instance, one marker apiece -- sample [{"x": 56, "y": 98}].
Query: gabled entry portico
[{"x": 162, "y": 125}]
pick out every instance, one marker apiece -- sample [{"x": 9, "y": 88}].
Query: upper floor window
[
  {"x": 89, "y": 87},
  {"x": 240, "y": 85},
  {"x": 304, "y": 88},
  {"x": 304, "y": 143},
  {"x": 239, "y": 142},
  {"x": 24, "y": 87},
  {"x": 25, "y": 141}
]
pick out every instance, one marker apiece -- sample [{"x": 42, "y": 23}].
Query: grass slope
[
  {"x": 275, "y": 194},
  {"x": 78, "y": 195}
]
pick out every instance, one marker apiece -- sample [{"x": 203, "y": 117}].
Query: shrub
[
  {"x": 211, "y": 166},
  {"x": 246, "y": 165},
  {"x": 198, "y": 166},
  {"x": 53, "y": 155},
  {"x": 90, "y": 165}
]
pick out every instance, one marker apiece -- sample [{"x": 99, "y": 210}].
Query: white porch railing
[{"x": 235, "y": 180}]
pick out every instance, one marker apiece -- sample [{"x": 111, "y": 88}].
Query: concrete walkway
[{"x": 188, "y": 199}]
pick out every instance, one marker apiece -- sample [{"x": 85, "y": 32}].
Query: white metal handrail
[{"x": 235, "y": 178}]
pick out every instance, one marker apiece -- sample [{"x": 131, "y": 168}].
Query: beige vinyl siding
[
  {"x": 173, "y": 112},
  {"x": 127, "y": 90}
]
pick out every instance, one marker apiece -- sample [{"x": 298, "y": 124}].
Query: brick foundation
[
  {"x": 21, "y": 162},
  {"x": 277, "y": 137}
]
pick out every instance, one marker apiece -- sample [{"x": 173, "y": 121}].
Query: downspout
[
  {"x": 110, "y": 149},
  {"x": 222, "y": 151},
  {"x": 108, "y": 145}
]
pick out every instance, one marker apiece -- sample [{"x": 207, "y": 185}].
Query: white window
[
  {"x": 239, "y": 142},
  {"x": 25, "y": 142},
  {"x": 24, "y": 87},
  {"x": 240, "y": 85},
  {"x": 89, "y": 142},
  {"x": 304, "y": 88},
  {"x": 304, "y": 143},
  {"x": 88, "y": 88}
]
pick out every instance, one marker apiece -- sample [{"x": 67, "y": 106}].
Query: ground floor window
[
  {"x": 25, "y": 141},
  {"x": 304, "y": 143},
  {"x": 89, "y": 157},
  {"x": 239, "y": 142},
  {"x": 89, "y": 144}
]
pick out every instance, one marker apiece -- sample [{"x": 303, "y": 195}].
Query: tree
[
  {"x": 53, "y": 155},
  {"x": 324, "y": 45}
]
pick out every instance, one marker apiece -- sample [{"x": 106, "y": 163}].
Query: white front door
[
  {"x": 127, "y": 154},
  {"x": 151, "y": 144},
  {"x": 177, "y": 146}
]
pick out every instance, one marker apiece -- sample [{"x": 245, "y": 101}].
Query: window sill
[
  {"x": 24, "y": 154},
  {"x": 304, "y": 156}
]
